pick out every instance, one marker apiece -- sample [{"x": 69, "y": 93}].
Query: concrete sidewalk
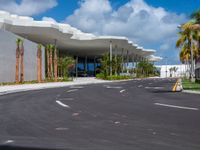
[
  {"x": 191, "y": 92},
  {"x": 27, "y": 87}
]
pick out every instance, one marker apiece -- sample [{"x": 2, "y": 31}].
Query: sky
[{"x": 151, "y": 24}]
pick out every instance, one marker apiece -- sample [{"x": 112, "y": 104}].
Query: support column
[
  {"x": 116, "y": 59},
  {"x": 110, "y": 58},
  {"x": 127, "y": 61},
  {"x": 94, "y": 66},
  {"x": 132, "y": 61},
  {"x": 122, "y": 60},
  {"x": 85, "y": 66},
  {"x": 76, "y": 66}
]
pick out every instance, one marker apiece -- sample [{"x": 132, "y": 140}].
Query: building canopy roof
[{"x": 69, "y": 39}]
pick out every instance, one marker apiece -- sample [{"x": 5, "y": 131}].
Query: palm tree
[
  {"x": 196, "y": 17},
  {"x": 22, "y": 62},
  {"x": 51, "y": 61},
  {"x": 18, "y": 41},
  {"x": 119, "y": 66},
  {"x": 39, "y": 63},
  {"x": 105, "y": 65},
  {"x": 60, "y": 67},
  {"x": 67, "y": 62},
  {"x": 55, "y": 64},
  {"x": 171, "y": 70},
  {"x": 47, "y": 61},
  {"x": 186, "y": 40}
]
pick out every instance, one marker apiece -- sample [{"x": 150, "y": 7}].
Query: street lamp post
[
  {"x": 110, "y": 58},
  {"x": 192, "y": 63}
]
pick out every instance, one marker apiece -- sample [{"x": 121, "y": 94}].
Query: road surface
[{"x": 130, "y": 115}]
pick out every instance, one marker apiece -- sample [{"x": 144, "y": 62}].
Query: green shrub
[{"x": 113, "y": 77}]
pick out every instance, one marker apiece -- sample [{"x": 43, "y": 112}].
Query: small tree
[
  {"x": 105, "y": 65},
  {"x": 145, "y": 69},
  {"x": 66, "y": 64}
]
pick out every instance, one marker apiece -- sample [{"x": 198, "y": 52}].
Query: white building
[
  {"x": 167, "y": 71},
  {"x": 85, "y": 48}
]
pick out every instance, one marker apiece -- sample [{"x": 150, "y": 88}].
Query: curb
[
  {"x": 190, "y": 92},
  {"x": 4, "y": 92}
]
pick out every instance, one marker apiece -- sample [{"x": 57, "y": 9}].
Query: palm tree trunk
[
  {"x": 22, "y": 63},
  {"x": 17, "y": 63},
  {"x": 47, "y": 58},
  {"x": 39, "y": 64},
  {"x": 55, "y": 65},
  {"x": 51, "y": 63}
]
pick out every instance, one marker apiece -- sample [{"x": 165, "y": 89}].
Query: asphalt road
[{"x": 130, "y": 115}]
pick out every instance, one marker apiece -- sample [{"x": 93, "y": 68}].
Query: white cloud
[
  {"x": 27, "y": 7},
  {"x": 144, "y": 24},
  {"x": 49, "y": 19},
  {"x": 165, "y": 46}
]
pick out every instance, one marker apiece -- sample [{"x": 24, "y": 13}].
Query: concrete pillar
[
  {"x": 76, "y": 66},
  {"x": 94, "y": 66},
  {"x": 122, "y": 60},
  {"x": 115, "y": 58},
  {"x": 110, "y": 58},
  {"x": 127, "y": 61},
  {"x": 132, "y": 61},
  {"x": 85, "y": 65}
]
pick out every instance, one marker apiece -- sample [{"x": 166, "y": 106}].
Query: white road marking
[
  {"x": 8, "y": 141},
  {"x": 62, "y": 104},
  {"x": 174, "y": 106},
  {"x": 75, "y": 114},
  {"x": 140, "y": 86},
  {"x": 76, "y": 87},
  {"x": 122, "y": 91},
  {"x": 72, "y": 90},
  {"x": 59, "y": 129},
  {"x": 66, "y": 99},
  {"x": 156, "y": 88},
  {"x": 117, "y": 122},
  {"x": 113, "y": 87}
]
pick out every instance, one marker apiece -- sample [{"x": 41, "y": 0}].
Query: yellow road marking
[{"x": 175, "y": 86}]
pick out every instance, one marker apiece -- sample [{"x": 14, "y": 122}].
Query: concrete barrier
[{"x": 178, "y": 86}]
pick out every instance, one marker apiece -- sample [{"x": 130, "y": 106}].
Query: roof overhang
[{"x": 68, "y": 39}]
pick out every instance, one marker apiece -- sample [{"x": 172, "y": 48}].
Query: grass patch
[
  {"x": 113, "y": 77},
  {"x": 35, "y": 82},
  {"x": 187, "y": 85}
]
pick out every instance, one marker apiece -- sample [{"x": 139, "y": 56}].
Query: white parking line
[
  {"x": 59, "y": 129},
  {"x": 62, "y": 104},
  {"x": 72, "y": 90},
  {"x": 76, "y": 87},
  {"x": 174, "y": 106},
  {"x": 113, "y": 87},
  {"x": 122, "y": 91},
  {"x": 156, "y": 88},
  {"x": 8, "y": 141}
]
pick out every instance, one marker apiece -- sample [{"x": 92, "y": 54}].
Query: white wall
[
  {"x": 182, "y": 70},
  {"x": 8, "y": 58}
]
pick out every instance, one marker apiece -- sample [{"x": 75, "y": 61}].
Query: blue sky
[
  {"x": 149, "y": 23},
  {"x": 67, "y": 7}
]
